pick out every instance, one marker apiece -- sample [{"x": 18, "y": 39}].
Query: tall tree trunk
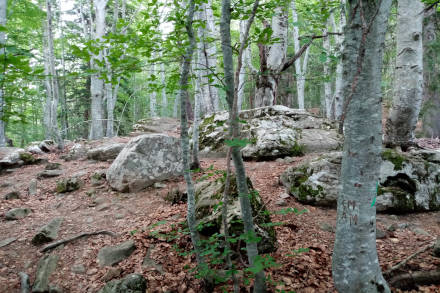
[
  {"x": 164, "y": 94},
  {"x": 195, "y": 137},
  {"x": 3, "y": 8},
  {"x": 338, "y": 99},
  {"x": 64, "y": 110},
  {"x": 153, "y": 96},
  {"x": 355, "y": 263},
  {"x": 300, "y": 75},
  {"x": 242, "y": 75},
  {"x": 52, "y": 105},
  {"x": 408, "y": 85},
  {"x": 97, "y": 83},
  {"x": 183, "y": 97},
  {"x": 327, "y": 83},
  {"x": 431, "y": 73},
  {"x": 231, "y": 97}
]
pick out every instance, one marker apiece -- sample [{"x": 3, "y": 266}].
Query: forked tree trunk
[
  {"x": 355, "y": 264},
  {"x": 3, "y": 7},
  {"x": 408, "y": 85}
]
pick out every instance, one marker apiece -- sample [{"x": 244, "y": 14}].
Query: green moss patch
[{"x": 394, "y": 157}]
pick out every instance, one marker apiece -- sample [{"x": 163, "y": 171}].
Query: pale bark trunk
[
  {"x": 183, "y": 94},
  {"x": 267, "y": 87},
  {"x": 327, "y": 83},
  {"x": 3, "y": 8},
  {"x": 408, "y": 85},
  {"x": 164, "y": 94},
  {"x": 195, "y": 136},
  {"x": 231, "y": 97},
  {"x": 153, "y": 95},
  {"x": 355, "y": 263},
  {"x": 97, "y": 84},
  {"x": 431, "y": 117},
  {"x": 242, "y": 75},
  {"x": 52, "y": 100},
  {"x": 211, "y": 51},
  {"x": 338, "y": 99},
  {"x": 300, "y": 77}
]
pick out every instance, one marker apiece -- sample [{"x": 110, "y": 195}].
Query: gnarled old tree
[
  {"x": 97, "y": 83},
  {"x": 3, "y": 7},
  {"x": 355, "y": 263},
  {"x": 408, "y": 85}
]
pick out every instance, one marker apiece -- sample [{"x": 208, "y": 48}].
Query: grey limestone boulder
[
  {"x": 146, "y": 159},
  {"x": 133, "y": 283},
  {"x": 110, "y": 255},
  {"x": 408, "y": 182},
  {"x": 105, "y": 152}
]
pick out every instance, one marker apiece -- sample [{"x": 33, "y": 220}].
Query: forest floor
[{"x": 133, "y": 215}]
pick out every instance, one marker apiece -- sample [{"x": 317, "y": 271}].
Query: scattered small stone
[
  {"x": 110, "y": 255},
  {"x": 12, "y": 195},
  {"x": 32, "y": 190},
  {"x": 9, "y": 171},
  {"x": 111, "y": 274},
  {"x": 97, "y": 178},
  {"x": 55, "y": 289},
  {"x": 103, "y": 207},
  {"x": 289, "y": 160},
  {"x": 69, "y": 184},
  {"x": 44, "y": 146},
  {"x": 119, "y": 216},
  {"x": 436, "y": 250},
  {"x": 49, "y": 173},
  {"x": 380, "y": 234},
  {"x": 281, "y": 203},
  {"x": 393, "y": 227},
  {"x": 284, "y": 195},
  {"x": 78, "y": 269},
  {"x": 327, "y": 227},
  {"x": 420, "y": 231},
  {"x": 133, "y": 283},
  {"x": 89, "y": 220},
  {"x": 148, "y": 262},
  {"x": 34, "y": 149},
  {"x": 92, "y": 271},
  {"x": 17, "y": 213},
  {"x": 280, "y": 160},
  {"x": 403, "y": 225},
  {"x": 176, "y": 196},
  {"x": 7, "y": 241},
  {"x": 159, "y": 185},
  {"x": 46, "y": 265},
  {"x": 53, "y": 166},
  {"x": 5, "y": 184},
  {"x": 394, "y": 217},
  {"x": 48, "y": 232}
]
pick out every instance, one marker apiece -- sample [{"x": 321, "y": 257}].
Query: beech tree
[
  {"x": 355, "y": 263},
  {"x": 3, "y": 8},
  {"x": 408, "y": 85}
]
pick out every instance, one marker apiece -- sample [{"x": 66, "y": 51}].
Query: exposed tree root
[
  {"x": 409, "y": 281},
  {"x": 63, "y": 241}
]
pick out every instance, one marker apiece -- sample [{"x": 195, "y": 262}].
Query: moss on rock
[{"x": 395, "y": 158}]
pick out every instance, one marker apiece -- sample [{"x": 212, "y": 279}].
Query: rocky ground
[{"x": 136, "y": 217}]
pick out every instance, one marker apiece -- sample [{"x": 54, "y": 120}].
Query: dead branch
[
  {"x": 402, "y": 263},
  {"x": 87, "y": 234}
]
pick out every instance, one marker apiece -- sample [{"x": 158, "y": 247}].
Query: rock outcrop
[
  {"x": 209, "y": 212},
  {"x": 271, "y": 132},
  {"x": 11, "y": 157},
  {"x": 156, "y": 125},
  {"x": 46, "y": 265},
  {"x": 408, "y": 182},
  {"x": 48, "y": 232},
  {"x": 17, "y": 213},
  {"x": 146, "y": 159}
]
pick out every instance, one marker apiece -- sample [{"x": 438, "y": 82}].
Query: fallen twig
[
  {"x": 402, "y": 263},
  {"x": 63, "y": 241}
]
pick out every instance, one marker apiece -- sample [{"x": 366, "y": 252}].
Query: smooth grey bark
[
  {"x": 338, "y": 100},
  {"x": 3, "y": 8},
  {"x": 153, "y": 95},
  {"x": 300, "y": 69},
  {"x": 431, "y": 105},
  {"x": 52, "y": 86},
  {"x": 164, "y": 94},
  {"x": 231, "y": 97},
  {"x": 272, "y": 58},
  {"x": 183, "y": 94},
  {"x": 355, "y": 264},
  {"x": 242, "y": 75},
  {"x": 408, "y": 84},
  {"x": 97, "y": 83},
  {"x": 195, "y": 136},
  {"x": 327, "y": 83}
]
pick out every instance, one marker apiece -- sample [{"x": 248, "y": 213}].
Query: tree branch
[{"x": 63, "y": 241}]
